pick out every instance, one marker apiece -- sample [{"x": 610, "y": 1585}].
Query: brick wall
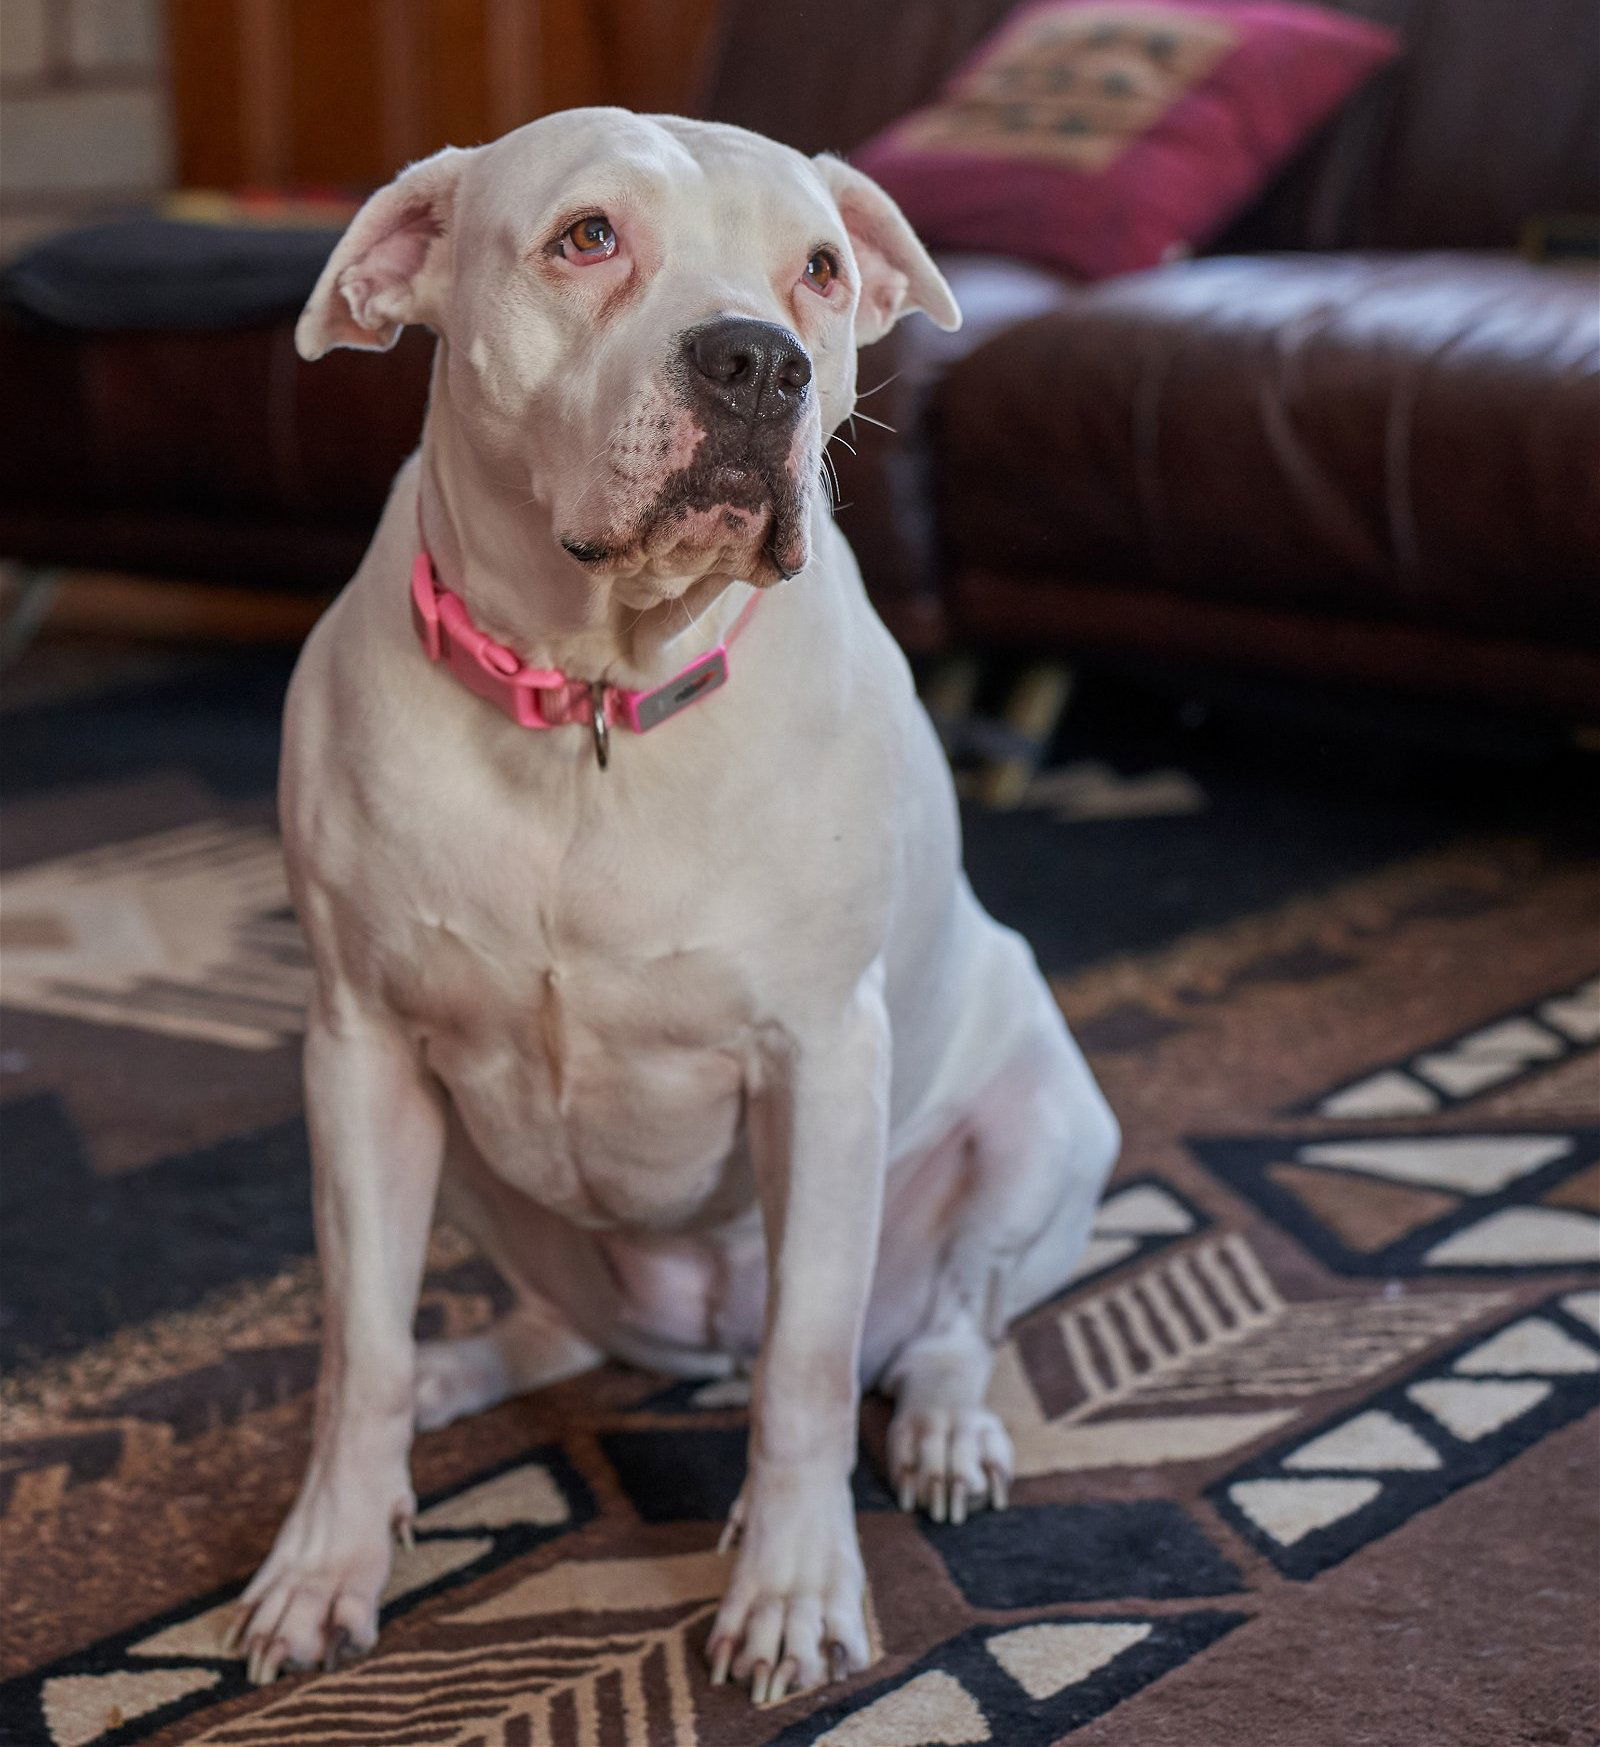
[{"x": 84, "y": 121}]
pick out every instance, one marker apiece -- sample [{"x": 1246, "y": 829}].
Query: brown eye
[
  {"x": 590, "y": 239},
  {"x": 821, "y": 270}
]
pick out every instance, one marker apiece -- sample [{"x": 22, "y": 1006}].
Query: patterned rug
[{"x": 1307, "y": 1451}]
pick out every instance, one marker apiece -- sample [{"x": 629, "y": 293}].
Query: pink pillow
[{"x": 1102, "y": 136}]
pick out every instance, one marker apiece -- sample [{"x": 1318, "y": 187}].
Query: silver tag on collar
[{"x": 688, "y": 688}]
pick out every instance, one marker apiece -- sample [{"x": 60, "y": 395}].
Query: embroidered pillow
[{"x": 1102, "y": 136}]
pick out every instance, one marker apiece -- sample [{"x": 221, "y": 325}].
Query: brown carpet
[{"x": 1308, "y": 1452}]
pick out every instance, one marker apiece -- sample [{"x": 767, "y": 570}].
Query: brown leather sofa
[{"x": 1361, "y": 438}]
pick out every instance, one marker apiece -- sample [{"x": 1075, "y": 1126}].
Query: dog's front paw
[
  {"x": 794, "y": 1614},
  {"x": 949, "y": 1460},
  {"x": 315, "y": 1600}
]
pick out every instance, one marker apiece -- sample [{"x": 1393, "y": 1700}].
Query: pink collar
[{"x": 540, "y": 697}]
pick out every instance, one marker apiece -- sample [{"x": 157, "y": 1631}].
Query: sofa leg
[
  {"x": 25, "y": 604},
  {"x": 1033, "y": 712},
  {"x": 948, "y": 692}
]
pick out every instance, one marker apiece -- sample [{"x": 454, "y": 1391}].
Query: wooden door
[{"x": 339, "y": 94}]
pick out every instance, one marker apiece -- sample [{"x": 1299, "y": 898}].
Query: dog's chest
[{"x": 594, "y": 1043}]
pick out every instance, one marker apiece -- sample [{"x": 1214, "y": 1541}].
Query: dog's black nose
[{"x": 755, "y": 370}]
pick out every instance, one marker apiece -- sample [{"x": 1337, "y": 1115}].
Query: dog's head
[{"x": 649, "y": 327}]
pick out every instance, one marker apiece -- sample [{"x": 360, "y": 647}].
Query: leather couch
[{"x": 1359, "y": 438}]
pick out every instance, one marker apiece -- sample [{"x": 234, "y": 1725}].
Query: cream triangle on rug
[
  {"x": 934, "y": 1710},
  {"x": 80, "y": 1708},
  {"x": 1046, "y": 1659}
]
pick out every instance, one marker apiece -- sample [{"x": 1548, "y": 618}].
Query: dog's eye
[
  {"x": 590, "y": 239},
  {"x": 821, "y": 270}
]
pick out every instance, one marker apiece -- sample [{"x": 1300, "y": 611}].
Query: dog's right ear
[
  {"x": 897, "y": 272},
  {"x": 391, "y": 267}
]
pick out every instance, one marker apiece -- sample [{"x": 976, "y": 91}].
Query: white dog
[{"x": 633, "y": 881}]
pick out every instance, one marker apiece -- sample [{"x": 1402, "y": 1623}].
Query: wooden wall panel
[
  {"x": 449, "y": 73},
  {"x": 573, "y": 61},
  {"x": 262, "y": 55},
  {"x": 341, "y": 93},
  {"x": 336, "y": 86},
  {"x": 207, "y": 95},
  {"x": 656, "y": 51}
]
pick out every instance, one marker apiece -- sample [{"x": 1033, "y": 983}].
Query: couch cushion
[
  {"x": 167, "y": 274},
  {"x": 1102, "y": 136},
  {"x": 1412, "y": 438}
]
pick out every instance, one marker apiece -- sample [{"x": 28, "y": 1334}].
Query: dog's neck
[{"x": 498, "y": 551}]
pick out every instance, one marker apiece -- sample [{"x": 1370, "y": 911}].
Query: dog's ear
[
  {"x": 897, "y": 274},
  {"x": 390, "y": 267}
]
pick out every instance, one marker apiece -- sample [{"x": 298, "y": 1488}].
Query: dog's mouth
[{"x": 745, "y": 515}]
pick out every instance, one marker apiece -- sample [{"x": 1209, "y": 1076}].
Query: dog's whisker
[
  {"x": 880, "y": 423},
  {"x": 692, "y": 619},
  {"x": 830, "y": 477},
  {"x": 627, "y": 631},
  {"x": 867, "y": 392}
]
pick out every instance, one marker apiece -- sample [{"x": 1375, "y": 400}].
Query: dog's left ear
[
  {"x": 897, "y": 274},
  {"x": 390, "y": 268}
]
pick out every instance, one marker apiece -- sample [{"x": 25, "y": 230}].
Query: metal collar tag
[{"x": 697, "y": 681}]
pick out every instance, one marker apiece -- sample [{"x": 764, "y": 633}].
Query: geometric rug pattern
[
  {"x": 1306, "y": 1449},
  {"x": 187, "y": 931},
  {"x": 1410, "y": 1203},
  {"x": 1314, "y": 1500},
  {"x": 1530, "y": 1039}
]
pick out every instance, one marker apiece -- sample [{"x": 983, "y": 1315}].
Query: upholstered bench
[{"x": 159, "y": 420}]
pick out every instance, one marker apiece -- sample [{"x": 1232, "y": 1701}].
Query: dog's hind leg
[
  {"x": 947, "y": 1451},
  {"x": 529, "y": 1347},
  {"x": 1037, "y": 1147}
]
